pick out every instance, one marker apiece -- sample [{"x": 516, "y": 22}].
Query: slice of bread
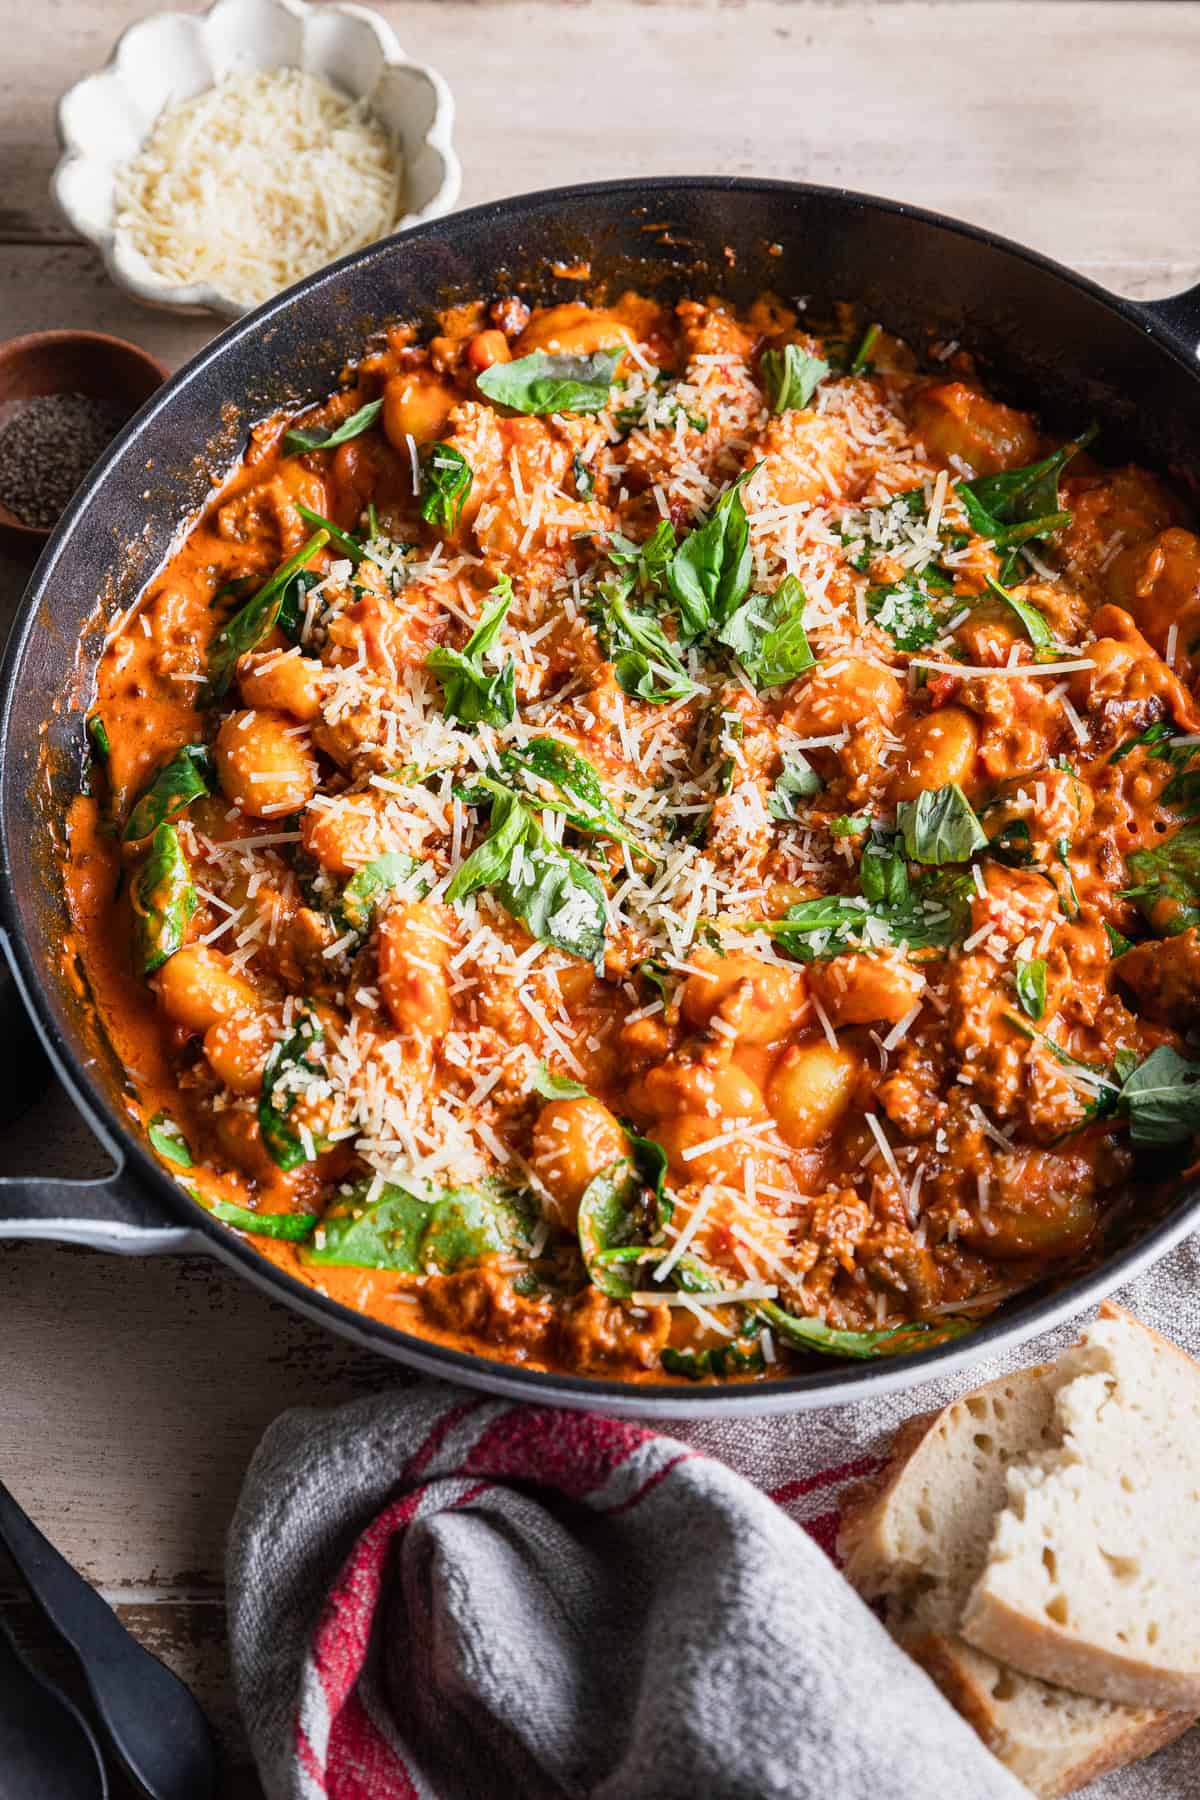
[
  {"x": 1093, "y": 1568},
  {"x": 917, "y": 1537}
]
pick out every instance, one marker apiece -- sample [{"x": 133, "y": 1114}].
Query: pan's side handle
[
  {"x": 111, "y": 1212},
  {"x": 1179, "y": 314}
]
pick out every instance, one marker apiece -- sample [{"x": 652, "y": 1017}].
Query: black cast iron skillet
[{"x": 1048, "y": 338}]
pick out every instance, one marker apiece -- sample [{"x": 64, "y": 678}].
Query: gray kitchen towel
[{"x": 440, "y": 1597}]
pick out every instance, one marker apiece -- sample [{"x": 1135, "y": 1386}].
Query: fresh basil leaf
[
  {"x": 553, "y": 384},
  {"x": 176, "y": 785},
  {"x": 582, "y": 799},
  {"x": 791, "y": 377},
  {"x": 1168, "y": 877},
  {"x": 825, "y": 926},
  {"x": 940, "y": 826},
  {"x": 848, "y": 825},
  {"x": 1031, "y": 986},
  {"x": 648, "y": 561},
  {"x": 1161, "y": 1099},
  {"x": 1036, "y": 628},
  {"x": 556, "y": 1087},
  {"x": 1062, "y": 854},
  {"x": 98, "y": 734},
  {"x": 710, "y": 572},
  {"x": 1183, "y": 791},
  {"x": 928, "y": 915},
  {"x": 290, "y": 1071},
  {"x": 368, "y": 885},
  {"x": 341, "y": 540},
  {"x": 883, "y": 876},
  {"x": 798, "y": 780},
  {"x": 296, "y": 440},
  {"x": 904, "y": 612},
  {"x": 166, "y": 1137},
  {"x": 292, "y": 1227},
  {"x": 163, "y": 899},
  {"x": 894, "y": 1340},
  {"x": 553, "y": 894},
  {"x": 1098, "y": 1074},
  {"x": 471, "y": 695},
  {"x": 416, "y": 1234},
  {"x": 645, "y": 662},
  {"x": 446, "y": 481},
  {"x": 253, "y": 621},
  {"x": 767, "y": 635},
  {"x": 1019, "y": 497},
  {"x": 866, "y": 348}
]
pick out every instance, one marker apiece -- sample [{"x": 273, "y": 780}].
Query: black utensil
[
  {"x": 154, "y": 1724},
  {"x": 45, "y": 1745}
]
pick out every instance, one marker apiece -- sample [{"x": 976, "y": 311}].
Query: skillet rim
[{"x": 838, "y": 1382}]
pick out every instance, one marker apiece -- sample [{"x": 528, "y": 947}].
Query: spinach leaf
[
  {"x": 446, "y": 481},
  {"x": 648, "y": 561},
  {"x": 1036, "y": 628},
  {"x": 553, "y": 384},
  {"x": 1031, "y": 986},
  {"x": 1156, "y": 739},
  {"x": 1020, "y": 504},
  {"x": 367, "y": 886},
  {"x": 1161, "y": 1099},
  {"x": 98, "y": 735},
  {"x": 584, "y": 478},
  {"x": 940, "y": 826},
  {"x": 1168, "y": 875},
  {"x": 290, "y": 1071},
  {"x": 620, "y": 1208},
  {"x": 583, "y": 800},
  {"x": 296, "y": 440},
  {"x": 903, "y": 611},
  {"x": 1118, "y": 943},
  {"x": 894, "y": 1340},
  {"x": 292, "y": 1227},
  {"x": 341, "y": 540},
  {"x": 710, "y": 572},
  {"x": 177, "y": 784},
  {"x": 883, "y": 875},
  {"x": 252, "y": 622},
  {"x": 811, "y": 929},
  {"x": 293, "y": 604},
  {"x": 767, "y": 635},
  {"x": 166, "y": 1137},
  {"x": 1183, "y": 789},
  {"x": 741, "y": 1357},
  {"x": 645, "y": 661},
  {"x": 609, "y": 1218},
  {"x": 553, "y": 894},
  {"x": 555, "y": 1087},
  {"x": 1012, "y": 845},
  {"x": 163, "y": 900},
  {"x": 798, "y": 780},
  {"x": 415, "y": 1234},
  {"x": 472, "y": 696},
  {"x": 791, "y": 377},
  {"x": 863, "y": 354},
  {"x": 927, "y": 915}
]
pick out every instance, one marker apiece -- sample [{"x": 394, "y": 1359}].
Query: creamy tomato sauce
[{"x": 657, "y": 840}]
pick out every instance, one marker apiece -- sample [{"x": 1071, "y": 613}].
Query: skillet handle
[
  {"x": 109, "y": 1212},
  {"x": 1179, "y": 314}
]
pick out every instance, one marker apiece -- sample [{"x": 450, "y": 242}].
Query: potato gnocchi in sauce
[{"x": 658, "y": 841}]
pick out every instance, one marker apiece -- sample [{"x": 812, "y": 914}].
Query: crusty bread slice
[
  {"x": 916, "y": 1537},
  {"x": 1093, "y": 1569}
]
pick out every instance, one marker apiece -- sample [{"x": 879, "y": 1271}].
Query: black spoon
[
  {"x": 45, "y": 1746},
  {"x": 155, "y": 1726}
]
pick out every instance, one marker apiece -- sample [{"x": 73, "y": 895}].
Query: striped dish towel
[{"x": 435, "y": 1596}]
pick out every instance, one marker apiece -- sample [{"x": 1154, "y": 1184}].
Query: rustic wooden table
[{"x": 135, "y": 1391}]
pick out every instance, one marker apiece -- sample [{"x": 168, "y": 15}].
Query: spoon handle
[{"x": 155, "y": 1725}]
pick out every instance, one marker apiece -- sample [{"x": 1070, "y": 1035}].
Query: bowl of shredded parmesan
[{"x": 220, "y": 156}]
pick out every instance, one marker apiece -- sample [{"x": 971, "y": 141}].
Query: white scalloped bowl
[{"x": 104, "y": 120}]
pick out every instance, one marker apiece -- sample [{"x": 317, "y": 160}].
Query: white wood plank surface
[{"x": 135, "y": 1392}]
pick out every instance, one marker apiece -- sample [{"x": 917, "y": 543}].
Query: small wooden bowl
[{"x": 71, "y": 362}]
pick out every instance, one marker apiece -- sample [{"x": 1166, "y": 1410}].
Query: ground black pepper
[{"x": 47, "y": 446}]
